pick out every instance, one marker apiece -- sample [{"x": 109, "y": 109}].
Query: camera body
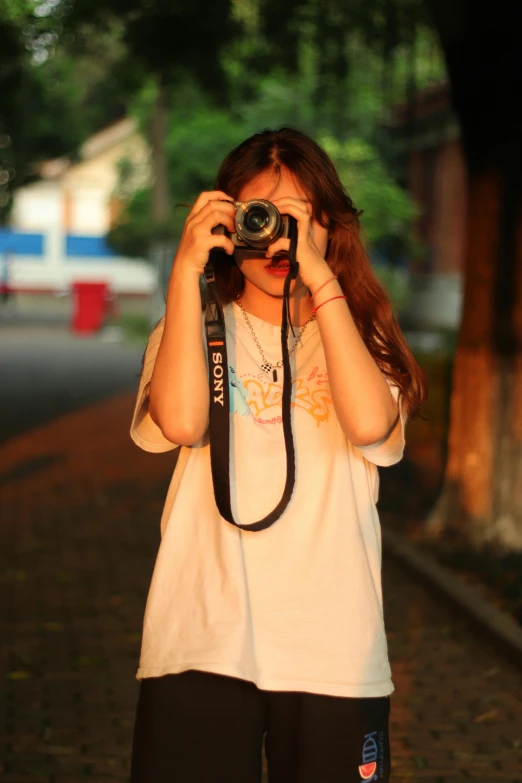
[{"x": 258, "y": 224}]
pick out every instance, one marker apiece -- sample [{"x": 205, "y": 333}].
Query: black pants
[{"x": 196, "y": 727}]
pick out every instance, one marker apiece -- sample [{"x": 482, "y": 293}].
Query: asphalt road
[{"x": 46, "y": 371}]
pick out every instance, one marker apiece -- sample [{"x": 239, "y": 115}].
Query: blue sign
[
  {"x": 21, "y": 243},
  {"x": 87, "y": 247}
]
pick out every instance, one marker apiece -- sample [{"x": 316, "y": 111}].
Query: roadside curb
[{"x": 498, "y": 625}]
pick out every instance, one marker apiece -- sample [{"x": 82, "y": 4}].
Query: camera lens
[
  {"x": 256, "y": 219},
  {"x": 258, "y": 222}
]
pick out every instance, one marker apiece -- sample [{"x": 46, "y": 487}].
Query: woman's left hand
[{"x": 312, "y": 241}]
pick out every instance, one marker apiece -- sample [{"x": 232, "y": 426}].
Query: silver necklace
[{"x": 268, "y": 366}]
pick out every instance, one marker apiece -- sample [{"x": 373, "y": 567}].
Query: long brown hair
[{"x": 368, "y": 302}]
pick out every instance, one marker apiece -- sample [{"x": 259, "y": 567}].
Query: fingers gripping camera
[{"x": 258, "y": 224}]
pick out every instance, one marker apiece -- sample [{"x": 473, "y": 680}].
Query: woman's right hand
[{"x": 197, "y": 240}]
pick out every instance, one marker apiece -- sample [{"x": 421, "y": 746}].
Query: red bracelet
[
  {"x": 326, "y": 302},
  {"x": 330, "y": 280}
]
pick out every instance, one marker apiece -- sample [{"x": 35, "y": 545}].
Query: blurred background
[{"x": 114, "y": 116}]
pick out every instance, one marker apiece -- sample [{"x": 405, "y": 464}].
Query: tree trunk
[
  {"x": 482, "y": 495},
  {"x": 160, "y": 203},
  {"x": 481, "y": 500}
]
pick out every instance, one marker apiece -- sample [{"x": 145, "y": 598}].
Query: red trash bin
[{"x": 89, "y": 306}]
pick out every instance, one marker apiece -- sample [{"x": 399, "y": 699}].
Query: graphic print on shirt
[
  {"x": 237, "y": 394},
  {"x": 372, "y": 767},
  {"x": 257, "y": 395}
]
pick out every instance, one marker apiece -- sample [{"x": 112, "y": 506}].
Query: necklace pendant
[
  {"x": 266, "y": 367},
  {"x": 274, "y": 375}
]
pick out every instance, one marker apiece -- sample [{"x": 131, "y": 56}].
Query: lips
[
  {"x": 277, "y": 271},
  {"x": 279, "y": 266},
  {"x": 279, "y": 263}
]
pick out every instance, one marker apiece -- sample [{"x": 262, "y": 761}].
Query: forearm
[
  {"x": 361, "y": 397},
  {"x": 179, "y": 394}
]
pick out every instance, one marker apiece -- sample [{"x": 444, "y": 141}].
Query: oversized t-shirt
[{"x": 295, "y": 607}]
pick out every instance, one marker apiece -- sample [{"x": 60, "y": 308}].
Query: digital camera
[{"x": 258, "y": 224}]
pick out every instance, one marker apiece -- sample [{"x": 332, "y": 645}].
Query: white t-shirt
[{"x": 296, "y": 607}]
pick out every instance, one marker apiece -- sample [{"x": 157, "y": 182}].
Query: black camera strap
[{"x": 219, "y": 426}]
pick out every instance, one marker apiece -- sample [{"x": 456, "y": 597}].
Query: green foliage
[
  {"x": 396, "y": 282},
  {"x": 136, "y": 328},
  {"x": 53, "y": 94},
  {"x": 201, "y": 133},
  {"x": 199, "y": 137},
  {"x": 133, "y": 233},
  {"x": 17, "y": 10},
  {"x": 388, "y": 210},
  {"x": 169, "y": 40},
  {"x": 254, "y": 63}
]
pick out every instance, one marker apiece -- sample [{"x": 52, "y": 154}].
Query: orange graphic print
[{"x": 263, "y": 397}]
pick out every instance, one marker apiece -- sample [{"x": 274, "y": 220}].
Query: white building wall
[
  {"x": 89, "y": 212},
  {"x": 37, "y": 207},
  {"x": 76, "y": 200}
]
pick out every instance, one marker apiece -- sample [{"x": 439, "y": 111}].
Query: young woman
[{"x": 276, "y": 634}]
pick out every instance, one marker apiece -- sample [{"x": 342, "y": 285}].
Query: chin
[
  {"x": 256, "y": 276},
  {"x": 272, "y": 287}
]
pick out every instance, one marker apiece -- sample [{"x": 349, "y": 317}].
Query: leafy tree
[
  {"x": 388, "y": 210},
  {"x": 328, "y": 40},
  {"x": 52, "y": 95},
  {"x": 169, "y": 42},
  {"x": 482, "y": 497},
  {"x": 200, "y": 134},
  {"x": 316, "y": 46}
]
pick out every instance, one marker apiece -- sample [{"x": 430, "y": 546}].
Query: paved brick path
[{"x": 80, "y": 507}]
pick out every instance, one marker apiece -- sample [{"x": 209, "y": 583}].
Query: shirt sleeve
[
  {"x": 390, "y": 450},
  {"x": 144, "y": 432}
]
